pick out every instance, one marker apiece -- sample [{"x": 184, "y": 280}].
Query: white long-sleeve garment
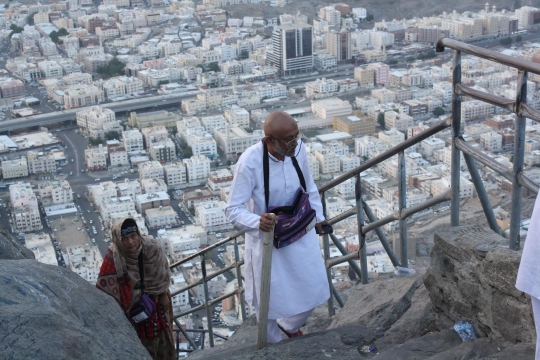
[
  {"x": 528, "y": 277},
  {"x": 298, "y": 279}
]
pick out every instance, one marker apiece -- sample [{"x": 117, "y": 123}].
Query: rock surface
[
  {"x": 49, "y": 312},
  {"x": 11, "y": 249},
  {"x": 472, "y": 277}
]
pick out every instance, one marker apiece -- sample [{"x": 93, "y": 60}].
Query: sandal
[{"x": 291, "y": 335}]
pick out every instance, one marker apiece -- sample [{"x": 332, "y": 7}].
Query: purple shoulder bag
[{"x": 295, "y": 220}]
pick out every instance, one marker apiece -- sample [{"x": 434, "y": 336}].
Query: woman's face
[{"x": 131, "y": 241}]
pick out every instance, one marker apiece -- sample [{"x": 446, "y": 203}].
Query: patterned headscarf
[{"x": 156, "y": 269}]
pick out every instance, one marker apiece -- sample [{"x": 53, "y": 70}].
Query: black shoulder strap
[
  {"x": 141, "y": 270},
  {"x": 299, "y": 172},
  {"x": 266, "y": 170}
]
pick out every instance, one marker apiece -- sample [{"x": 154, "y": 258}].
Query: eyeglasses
[{"x": 288, "y": 143}]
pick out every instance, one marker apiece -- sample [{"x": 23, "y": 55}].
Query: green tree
[
  {"x": 112, "y": 135},
  {"x": 213, "y": 66},
  {"x": 216, "y": 163},
  {"x": 519, "y": 38},
  {"x": 506, "y": 41},
  {"x": 95, "y": 141},
  {"x": 229, "y": 162},
  {"x": 15, "y": 29},
  {"x": 55, "y": 35},
  {"x": 244, "y": 54},
  {"x": 114, "y": 68},
  {"x": 380, "y": 119},
  {"x": 267, "y": 36},
  {"x": 411, "y": 59},
  {"x": 392, "y": 62},
  {"x": 369, "y": 17},
  {"x": 438, "y": 111},
  {"x": 188, "y": 152}
]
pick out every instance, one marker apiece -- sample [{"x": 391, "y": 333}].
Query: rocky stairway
[{"x": 471, "y": 278}]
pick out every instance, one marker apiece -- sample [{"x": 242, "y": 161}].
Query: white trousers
[
  {"x": 536, "y": 312},
  {"x": 290, "y": 324}
]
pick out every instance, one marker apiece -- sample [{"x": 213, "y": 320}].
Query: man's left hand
[{"x": 319, "y": 227}]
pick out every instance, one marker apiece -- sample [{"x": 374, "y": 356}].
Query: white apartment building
[
  {"x": 162, "y": 151},
  {"x": 237, "y": 116},
  {"x": 115, "y": 205},
  {"x": 219, "y": 179},
  {"x": 96, "y": 121},
  {"x": 197, "y": 168},
  {"x": 129, "y": 188},
  {"x": 383, "y": 95},
  {"x": 328, "y": 161},
  {"x": 96, "y": 158},
  {"x": 162, "y": 217},
  {"x": 153, "y": 185},
  {"x": 55, "y": 192},
  {"x": 466, "y": 188},
  {"x": 180, "y": 302},
  {"x": 392, "y": 137},
  {"x": 40, "y": 244},
  {"x": 211, "y": 215},
  {"x": 133, "y": 140},
  {"x": 14, "y": 168},
  {"x": 213, "y": 122},
  {"x": 320, "y": 86},
  {"x": 102, "y": 192},
  {"x": 85, "y": 261},
  {"x": 234, "y": 140},
  {"x": 399, "y": 121},
  {"x": 328, "y": 108},
  {"x": 476, "y": 109},
  {"x": 430, "y": 145},
  {"x": 50, "y": 69},
  {"x": 324, "y": 61},
  {"x": 314, "y": 166},
  {"x": 271, "y": 91},
  {"x": 202, "y": 144},
  {"x": 348, "y": 162},
  {"x": 79, "y": 96},
  {"x": 177, "y": 241},
  {"x": 118, "y": 155},
  {"x": 78, "y": 78},
  {"x": 25, "y": 210},
  {"x": 491, "y": 141},
  {"x": 148, "y": 201},
  {"x": 39, "y": 162},
  {"x": 382, "y": 72},
  {"x": 175, "y": 174},
  {"x": 364, "y": 103},
  {"x": 151, "y": 170}
]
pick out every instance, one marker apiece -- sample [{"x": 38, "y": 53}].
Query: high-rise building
[
  {"x": 292, "y": 48},
  {"x": 339, "y": 44}
]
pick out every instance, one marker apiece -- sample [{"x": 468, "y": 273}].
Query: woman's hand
[{"x": 164, "y": 300}]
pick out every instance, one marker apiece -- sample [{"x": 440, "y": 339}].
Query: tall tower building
[
  {"x": 292, "y": 48},
  {"x": 339, "y": 45}
]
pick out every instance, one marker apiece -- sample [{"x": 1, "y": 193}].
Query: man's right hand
[{"x": 267, "y": 221}]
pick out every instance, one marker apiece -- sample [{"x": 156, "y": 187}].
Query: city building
[
  {"x": 355, "y": 125},
  {"x": 133, "y": 140},
  {"x": 328, "y": 108},
  {"x": 40, "y": 244},
  {"x": 339, "y": 44},
  {"x": 118, "y": 155},
  {"x": 155, "y": 200},
  {"x": 25, "y": 211},
  {"x": 151, "y": 170},
  {"x": 234, "y": 140},
  {"x": 77, "y": 96},
  {"x": 39, "y": 162},
  {"x": 55, "y": 192},
  {"x": 211, "y": 215},
  {"x": 197, "y": 168},
  {"x": 84, "y": 261},
  {"x": 175, "y": 174},
  {"x": 97, "y": 121},
  {"x": 292, "y": 48},
  {"x": 96, "y": 158},
  {"x": 219, "y": 179},
  {"x": 153, "y": 185},
  {"x": 161, "y": 217},
  {"x": 15, "y": 168}
]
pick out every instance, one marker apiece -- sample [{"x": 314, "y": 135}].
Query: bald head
[{"x": 278, "y": 123}]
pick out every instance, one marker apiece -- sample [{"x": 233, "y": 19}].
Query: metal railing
[{"x": 362, "y": 210}]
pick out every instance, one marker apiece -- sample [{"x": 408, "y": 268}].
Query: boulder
[
  {"x": 49, "y": 312},
  {"x": 11, "y": 249},
  {"x": 472, "y": 277},
  {"x": 378, "y": 305}
]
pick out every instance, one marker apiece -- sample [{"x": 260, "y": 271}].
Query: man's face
[{"x": 284, "y": 141}]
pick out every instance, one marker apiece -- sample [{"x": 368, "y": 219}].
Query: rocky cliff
[{"x": 49, "y": 312}]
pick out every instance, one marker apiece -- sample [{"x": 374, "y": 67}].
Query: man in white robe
[
  {"x": 528, "y": 277},
  {"x": 298, "y": 279}
]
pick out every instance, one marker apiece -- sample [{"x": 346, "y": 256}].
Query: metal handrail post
[
  {"x": 361, "y": 235},
  {"x": 482, "y": 194},
  {"x": 241, "y": 296},
  {"x": 402, "y": 190},
  {"x": 264, "y": 296},
  {"x": 384, "y": 241},
  {"x": 326, "y": 252},
  {"x": 343, "y": 250},
  {"x": 519, "y": 154},
  {"x": 206, "y": 299},
  {"x": 456, "y": 131}
]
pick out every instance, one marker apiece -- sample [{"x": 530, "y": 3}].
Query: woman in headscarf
[{"x": 119, "y": 277}]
